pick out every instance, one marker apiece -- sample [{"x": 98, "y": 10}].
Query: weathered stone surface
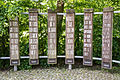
[
  {"x": 33, "y": 37},
  {"x": 107, "y": 38},
  {"x": 60, "y": 74},
  {"x": 88, "y": 37}
]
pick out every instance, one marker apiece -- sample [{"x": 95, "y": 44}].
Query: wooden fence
[{"x": 52, "y": 38}]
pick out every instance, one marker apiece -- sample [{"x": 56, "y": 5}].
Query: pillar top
[
  {"x": 51, "y": 11},
  {"x": 89, "y": 10},
  {"x": 70, "y": 11},
  {"x": 108, "y": 9},
  {"x": 33, "y": 10}
]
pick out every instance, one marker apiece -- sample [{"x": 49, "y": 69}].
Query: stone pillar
[
  {"x": 107, "y": 38},
  {"x": 14, "y": 41},
  {"x": 88, "y": 37},
  {"x": 52, "y": 37},
  {"x": 33, "y": 37},
  {"x": 69, "y": 47}
]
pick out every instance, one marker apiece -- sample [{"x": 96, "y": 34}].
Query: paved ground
[{"x": 56, "y": 73}]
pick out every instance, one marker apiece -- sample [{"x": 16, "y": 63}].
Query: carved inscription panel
[
  {"x": 107, "y": 38},
  {"x": 70, "y": 37},
  {"x": 52, "y": 38},
  {"x": 14, "y": 42},
  {"x": 33, "y": 37},
  {"x": 88, "y": 32}
]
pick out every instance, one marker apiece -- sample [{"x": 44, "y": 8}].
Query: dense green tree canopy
[{"x": 10, "y": 9}]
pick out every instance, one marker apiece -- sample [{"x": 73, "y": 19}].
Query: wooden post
[
  {"x": 107, "y": 38},
  {"x": 15, "y": 67},
  {"x": 70, "y": 19},
  {"x": 60, "y": 9},
  {"x": 33, "y": 37},
  {"x": 52, "y": 37},
  {"x": 70, "y": 66},
  {"x": 14, "y": 42},
  {"x": 88, "y": 37}
]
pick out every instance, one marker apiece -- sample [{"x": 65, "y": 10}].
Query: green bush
[{"x": 10, "y": 9}]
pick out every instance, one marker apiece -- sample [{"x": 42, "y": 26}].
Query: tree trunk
[{"x": 60, "y": 9}]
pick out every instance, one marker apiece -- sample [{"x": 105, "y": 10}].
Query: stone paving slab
[{"x": 55, "y": 73}]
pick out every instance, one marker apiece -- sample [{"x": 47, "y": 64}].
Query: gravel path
[{"x": 55, "y": 73}]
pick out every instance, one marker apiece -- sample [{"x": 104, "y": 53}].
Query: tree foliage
[{"x": 10, "y": 9}]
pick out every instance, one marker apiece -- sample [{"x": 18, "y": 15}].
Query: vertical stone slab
[
  {"x": 33, "y": 37},
  {"x": 52, "y": 37},
  {"x": 107, "y": 38},
  {"x": 69, "y": 47},
  {"x": 88, "y": 37},
  {"x": 14, "y": 42}
]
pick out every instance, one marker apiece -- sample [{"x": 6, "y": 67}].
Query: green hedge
[{"x": 10, "y": 9}]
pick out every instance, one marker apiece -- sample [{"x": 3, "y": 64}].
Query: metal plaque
[
  {"x": 33, "y": 37},
  {"x": 107, "y": 38},
  {"x": 70, "y": 19},
  {"x": 14, "y": 42},
  {"x": 88, "y": 37},
  {"x": 52, "y": 37}
]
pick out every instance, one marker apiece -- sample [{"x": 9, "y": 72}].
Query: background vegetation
[{"x": 10, "y": 9}]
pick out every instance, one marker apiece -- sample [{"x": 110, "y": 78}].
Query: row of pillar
[{"x": 69, "y": 43}]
